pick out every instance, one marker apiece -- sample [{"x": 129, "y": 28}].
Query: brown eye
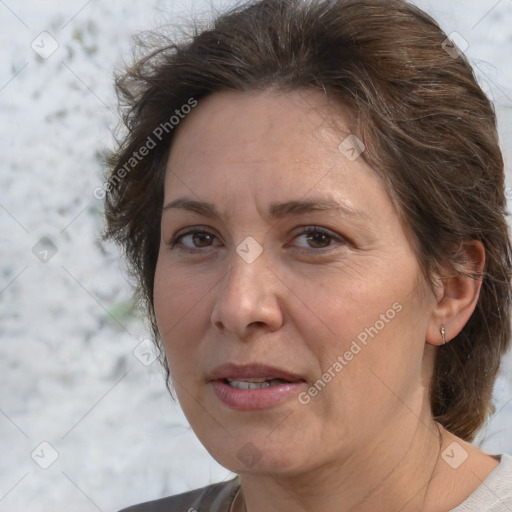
[
  {"x": 201, "y": 239},
  {"x": 198, "y": 239},
  {"x": 318, "y": 238}
]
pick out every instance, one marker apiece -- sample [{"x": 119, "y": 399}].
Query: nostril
[{"x": 257, "y": 324}]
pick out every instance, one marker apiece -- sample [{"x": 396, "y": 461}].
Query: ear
[{"x": 458, "y": 295}]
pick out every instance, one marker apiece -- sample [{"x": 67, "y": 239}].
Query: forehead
[
  {"x": 240, "y": 121},
  {"x": 268, "y": 147},
  {"x": 289, "y": 131}
]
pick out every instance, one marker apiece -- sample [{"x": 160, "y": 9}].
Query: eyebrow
[{"x": 276, "y": 210}]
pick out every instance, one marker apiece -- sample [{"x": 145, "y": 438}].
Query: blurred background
[{"x": 85, "y": 421}]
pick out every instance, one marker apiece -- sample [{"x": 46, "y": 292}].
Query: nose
[{"x": 248, "y": 298}]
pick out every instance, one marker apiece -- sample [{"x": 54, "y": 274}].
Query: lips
[
  {"x": 235, "y": 372},
  {"x": 254, "y": 386}
]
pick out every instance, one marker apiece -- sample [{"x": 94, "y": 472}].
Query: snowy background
[{"x": 85, "y": 420}]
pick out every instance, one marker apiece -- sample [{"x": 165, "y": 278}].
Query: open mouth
[
  {"x": 254, "y": 386},
  {"x": 246, "y": 393},
  {"x": 254, "y": 383}
]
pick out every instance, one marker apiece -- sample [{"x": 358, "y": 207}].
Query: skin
[{"x": 367, "y": 441}]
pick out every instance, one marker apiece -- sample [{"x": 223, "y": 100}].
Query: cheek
[
  {"x": 352, "y": 302},
  {"x": 176, "y": 294},
  {"x": 181, "y": 301},
  {"x": 370, "y": 327},
  {"x": 385, "y": 370},
  {"x": 171, "y": 307}
]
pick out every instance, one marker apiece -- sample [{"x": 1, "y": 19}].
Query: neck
[{"x": 394, "y": 472}]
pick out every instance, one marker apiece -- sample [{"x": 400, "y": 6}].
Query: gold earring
[{"x": 443, "y": 334}]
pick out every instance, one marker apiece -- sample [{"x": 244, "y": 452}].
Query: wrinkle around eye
[{"x": 335, "y": 240}]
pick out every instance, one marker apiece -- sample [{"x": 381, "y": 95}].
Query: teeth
[
  {"x": 251, "y": 380},
  {"x": 254, "y": 383}
]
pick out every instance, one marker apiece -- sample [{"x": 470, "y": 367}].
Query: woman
[{"x": 311, "y": 196}]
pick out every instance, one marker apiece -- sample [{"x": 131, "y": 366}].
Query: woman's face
[{"x": 329, "y": 298}]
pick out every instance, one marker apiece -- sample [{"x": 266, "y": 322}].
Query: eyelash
[{"x": 307, "y": 230}]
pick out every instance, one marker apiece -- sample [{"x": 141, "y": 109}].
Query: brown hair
[{"x": 428, "y": 128}]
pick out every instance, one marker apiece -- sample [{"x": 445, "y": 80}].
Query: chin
[{"x": 254, "y": 455}]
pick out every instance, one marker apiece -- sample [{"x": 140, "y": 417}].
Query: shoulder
[
  {"x": 495, "y": 493},
  {"x": 501, "y": 483},
  {"x": 212, "y": 498}
]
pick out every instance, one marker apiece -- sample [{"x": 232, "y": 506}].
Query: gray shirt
[
  {"x": 495, "y": 492},
  {"x": 493, "y": 495}
]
